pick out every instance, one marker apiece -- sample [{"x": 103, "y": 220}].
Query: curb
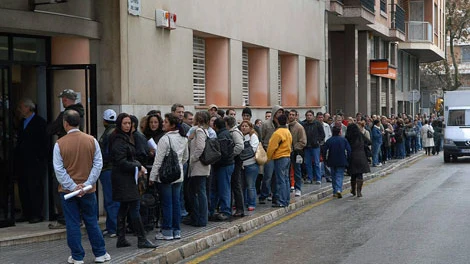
[{"x": 193, "y": 245}]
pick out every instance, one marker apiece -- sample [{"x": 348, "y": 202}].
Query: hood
[{"x": 274, "y": 110}]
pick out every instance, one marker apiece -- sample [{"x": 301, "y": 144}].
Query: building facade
[{"x": 118, "y": 55}]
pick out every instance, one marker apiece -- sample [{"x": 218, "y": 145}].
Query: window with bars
[
  {"x": 199, "y": 71},
  {"x": 245, "y": 78},
  {"x": 279, "y": 81}
]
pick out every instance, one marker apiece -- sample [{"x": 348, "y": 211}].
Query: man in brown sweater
[{"x": 77, "y": 163}]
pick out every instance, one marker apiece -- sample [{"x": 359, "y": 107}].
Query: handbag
[
  {"x": 260, "y": 156},
  {"x": 247, "y": 152},
  {"x": 430, "y": 134},
  {"x": 170, "y": 170},
  {"x": 211, "y": 153}
]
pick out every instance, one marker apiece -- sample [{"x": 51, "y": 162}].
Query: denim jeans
[
  {"x": 171, "y": 211},
  {"x": 418, "y": 142},
  {"x": 281, "y": 170},
  {"x": 400, "y": 150},
  {"x": 313, "y": 170},
  {"x": 375, "y": 153},
  {"x": 337, "y": 179},
  {"x": 267, "y": 178},
  {"x": 250, "y": 172},
  {"x": 111, "y": 207},
  {"x": 221, "y": 190},
  {"x": 87, "y": 207},
  {"x": 198, "y": 196}
]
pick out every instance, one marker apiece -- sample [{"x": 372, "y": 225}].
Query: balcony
[
  {"x": 418, "y": 31},
  {"x": 419, "y": 42},
  {"x": 397, "y": 26},
  {"x": 358, "y": 12}
]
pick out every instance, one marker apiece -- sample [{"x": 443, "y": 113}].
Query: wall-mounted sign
[
  {"x": 378, "y": 66},
  {"x": 391, "y": 74},
  {"x": 134, "y": 7}
]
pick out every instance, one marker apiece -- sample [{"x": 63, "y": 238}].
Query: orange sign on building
[{"x": 379, "y": 67}]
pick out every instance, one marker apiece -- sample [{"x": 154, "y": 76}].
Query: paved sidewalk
[{"x": 194, "y": 239}]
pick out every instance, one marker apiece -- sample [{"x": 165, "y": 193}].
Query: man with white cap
[
  {"x": 68, "y": 97},
  {"x": 111, "y": 207}
]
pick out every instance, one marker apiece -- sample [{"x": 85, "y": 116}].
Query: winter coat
[
  {"x": 104, "y": 146},
  {"x": 336, "y": 152},
  {"x": 268, "y": 127},
  {"x": 57, "y": 127},
  {"x": 196, "y": 148},
  {"x": 123, "y": 157},
  {"x": 315, "y": 133},
  {"x": 280, "y": 144},
  {"x": 299, "y": 138},
  {"x": 358, "y": 162},
  {"x": 179, "y": 144},
  {"x": 427, "y": 142}
]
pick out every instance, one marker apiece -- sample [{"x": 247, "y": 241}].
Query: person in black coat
[
  {"x": 358, "y": 163},
  {"x": 124, "y": 183},
  {"x": 31, "y": 161}
]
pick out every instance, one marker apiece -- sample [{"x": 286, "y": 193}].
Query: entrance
[{"x": 25, "y": 72}]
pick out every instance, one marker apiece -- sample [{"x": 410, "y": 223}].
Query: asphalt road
[{"x": 418, "y": 214}]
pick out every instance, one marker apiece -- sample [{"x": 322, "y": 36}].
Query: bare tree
[{"x": 445, "y": 73}]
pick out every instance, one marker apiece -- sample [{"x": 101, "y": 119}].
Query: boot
[
  {"x": 121, "y": 233},
  {"x": 353, "y": 187},
  {"x": 359, "y": 187},
  {"x": 142, "y": 241}
]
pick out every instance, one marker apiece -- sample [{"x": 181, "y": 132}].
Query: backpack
[
  {"x": 211, "y": 153},
  {"x": 430, "y": 134},
  {"x": 170, "y": 170}
]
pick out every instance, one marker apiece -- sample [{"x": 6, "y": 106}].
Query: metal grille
[
  {"x": 199, "y": 71},
  {"x": 245, "y": 78},
  {"x": 279, "y": 82}
]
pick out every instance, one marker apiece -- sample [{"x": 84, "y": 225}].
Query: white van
[{"x": 457, "y": 124}]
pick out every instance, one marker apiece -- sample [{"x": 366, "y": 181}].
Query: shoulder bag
[
  {"x": 170, "y": 170},
  {"x": 211, "y": 153},
  {"x": 260, "y": 156}
]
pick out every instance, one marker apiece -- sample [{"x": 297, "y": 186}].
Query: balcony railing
[
  {"x": 369, "y": 4},
  {"x": 383, "y": 6},
  {"x": 398, "y": 19},
  {"x": 419, "y": 31}
]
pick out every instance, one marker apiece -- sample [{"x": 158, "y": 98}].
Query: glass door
[{"x": 7, "y": 203}]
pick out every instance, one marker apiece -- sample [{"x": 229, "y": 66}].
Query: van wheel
[{"x": 446, "y": 157}]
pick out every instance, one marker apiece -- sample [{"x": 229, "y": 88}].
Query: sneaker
[
  {"x": 57, "y": 225},
  {"x": 339, "y": 195},
  {"x": 318, "y": 182},
  {"x": 112, "y": 235},
  {"x": 177, "y": 234},
  {"x": 292, "y": 189},
  {"x": 107, "y": 233},
  {"x": 270, "y": 198},
  {"x": 160, "y": 236},
  {"x": 298, "y": 193},
  {"x": 103, "y": 259},
  {"x": 73, "y": 261},
  {"x": 262, "y": 201},
  {"x": 378, "y": 165},
  {"x": 251, "y": 208}
]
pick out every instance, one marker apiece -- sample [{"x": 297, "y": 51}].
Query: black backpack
[
  {"x": 211, "y": 153},
  {"x": 170, "y": 170}
]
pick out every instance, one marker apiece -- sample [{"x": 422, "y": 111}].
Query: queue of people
[{"x": 127, "y": 154}]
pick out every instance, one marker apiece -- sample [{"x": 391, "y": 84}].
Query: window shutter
[
  {"x": 245, "y": 83},
  {"x": 199, "y": 71}
]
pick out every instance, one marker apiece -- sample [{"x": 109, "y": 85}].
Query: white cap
[{"x": 109, "y": 115}]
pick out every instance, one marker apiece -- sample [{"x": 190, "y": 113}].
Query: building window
[
  {"x": 383, "y": 6},
  {"x": 393, "y": 54},
  {"x": 386, "y": 50},
  {"x": 465, "y": 53},
  {"x": 435, "y": 18},
  {"x": 372, "y": 48},
  {"x": 199, "y": 71},
  {"x": 245, "y": 78},
  {"x": 3, "y": 48},
  {"x": 279, "y": 81}
]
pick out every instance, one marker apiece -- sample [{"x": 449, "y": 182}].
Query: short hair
[
  {"x": 282, "y": 119},
  {"x": 175, "y": 121},
  {"x": 72, "y": 117},
  {"x": 293, "y": 110},
  {"x": 309, "y": 111},
  {"x": 187, "y": 113},
  {"x": 221, "y": 113},
  {"x": 202, "y": 118},
  {"x": 219, "y": 123},
  {"x": 228, "y": 111},
  {"x": 268, "y": 112},
  {"x": 336, "y": 130},
  {"x": 29, "y": 103},
  {"x": 174, "y": 106},
  {"x": 319, "y": 113},
  {"x": 231, "y": 121},
  {"x": 376, "y": 121}
]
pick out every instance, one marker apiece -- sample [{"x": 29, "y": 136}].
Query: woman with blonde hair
[{"x": 250, "y": 167}]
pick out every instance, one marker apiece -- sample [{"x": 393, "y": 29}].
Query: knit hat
[
  {"x": 109, "y": 115},
  {"x": 247, "y": 110},
  {"x": 69, "y": 94}
]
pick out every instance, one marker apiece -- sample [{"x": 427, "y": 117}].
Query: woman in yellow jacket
[{"x": 279, "y": 150}]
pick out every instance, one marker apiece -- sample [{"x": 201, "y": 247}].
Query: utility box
[{"x": 165, "y": 19}]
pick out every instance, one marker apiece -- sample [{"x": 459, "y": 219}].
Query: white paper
[
  {"x": 152, "y": 144},
  {"x": 136, "y": 175},
  {"x": 75, "y": 193}
]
